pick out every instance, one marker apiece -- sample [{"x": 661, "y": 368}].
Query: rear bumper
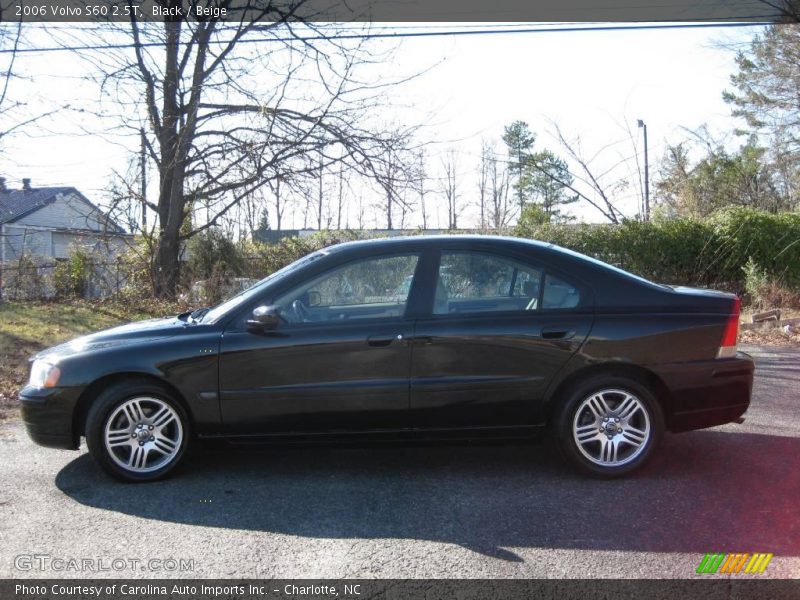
[
  {"x": 48, "y": 416},
  {"x": 707, "y": 393}
]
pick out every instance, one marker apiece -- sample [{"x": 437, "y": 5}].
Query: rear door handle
[
  {"x": 383, "y": 340},
  {"x": 557, "y": 333}
]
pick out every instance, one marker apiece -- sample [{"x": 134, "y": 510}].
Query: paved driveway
[{"x": 440, "y": 511}]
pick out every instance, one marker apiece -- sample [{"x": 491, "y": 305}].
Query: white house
[{"x": 48, "y": 221}]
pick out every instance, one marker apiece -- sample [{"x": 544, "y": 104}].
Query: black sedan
[{"x": 423, "y": 337}]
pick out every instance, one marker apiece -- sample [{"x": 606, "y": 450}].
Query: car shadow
[
  {"x": 705, "y": 491},
  {"x": 778, "y": 363}
]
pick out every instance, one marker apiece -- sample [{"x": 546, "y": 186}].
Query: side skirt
[{"x": 381, "y": 435}]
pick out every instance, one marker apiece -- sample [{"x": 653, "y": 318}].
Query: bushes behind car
[
  {"x": 738, "y": 249},
  {"x": 721, "y": 251},
  {"x": 712, "y": 252}
]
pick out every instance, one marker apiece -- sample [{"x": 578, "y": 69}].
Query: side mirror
[{"x": 264, "y": 317}]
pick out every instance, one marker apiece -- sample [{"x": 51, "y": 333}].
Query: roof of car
[
  {"x": 583, "y": 260},
  {"x": 439, "y": 239}
]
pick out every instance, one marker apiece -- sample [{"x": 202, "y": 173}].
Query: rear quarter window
[{"x": 558, "y": 294}]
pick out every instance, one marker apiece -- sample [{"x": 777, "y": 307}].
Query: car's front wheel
[
  {"x": 136, "y": 431},
  {"x": 609, "y": 426}
]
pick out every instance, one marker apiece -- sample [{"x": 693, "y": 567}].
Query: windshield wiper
[{"x": 197, "y": 315}]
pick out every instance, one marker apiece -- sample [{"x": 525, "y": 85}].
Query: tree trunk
[
  {"x": 167, "y": 268},
  {"x": 170, "y": 198}
]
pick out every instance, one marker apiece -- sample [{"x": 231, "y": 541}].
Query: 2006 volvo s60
[{"x": 409, "y": 337}]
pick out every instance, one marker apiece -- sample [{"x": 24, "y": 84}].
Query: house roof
[{"x": 15, "y": 204}]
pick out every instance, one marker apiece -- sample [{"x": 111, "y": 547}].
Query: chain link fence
[{"x": 32, "y": 280}]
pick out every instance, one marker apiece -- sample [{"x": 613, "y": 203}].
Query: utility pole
[
  {"x": 319, "y": 197},
  {"x": 143, "y": 163},
  {"x": 519, "y": 180},
  {"x": 643, "y": 126},
  {"x": 341, "y": 198},
  {"x": 421, "y": 190},
  {"x": 278, "y": 208}
]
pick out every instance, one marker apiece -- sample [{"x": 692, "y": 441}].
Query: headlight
[{"x": 44, "y": 374}]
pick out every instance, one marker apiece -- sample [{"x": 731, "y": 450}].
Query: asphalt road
[{"x": 441, "y": 511}]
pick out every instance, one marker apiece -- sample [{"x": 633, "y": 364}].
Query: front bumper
[
  {"x": 708, "y": 393},
  {"x": 48, "y": 416}
]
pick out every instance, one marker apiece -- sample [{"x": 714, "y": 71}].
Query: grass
[{"x": 28, "y": 327}]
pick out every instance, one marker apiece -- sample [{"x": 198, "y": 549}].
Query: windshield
[{"x": 242, "y": 297}]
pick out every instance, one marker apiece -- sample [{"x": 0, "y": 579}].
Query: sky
[{"x": 594, "y": 85}]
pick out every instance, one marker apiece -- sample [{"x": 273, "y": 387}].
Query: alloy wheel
[
  {"x": 611, "y": 427},
  {"x": 143, "y": 434}
]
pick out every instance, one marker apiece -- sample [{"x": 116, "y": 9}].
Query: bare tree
[
  {"x": 395, "y": 173},
  {"x": 278, "y": 187},
  {"x": 15, "y": 114},
  {"x": 484, "y": 170},
  {"x": 420, "y": 182},
  {"x": 501, "y": 210},
  {"x": 10, "y": 36},
  {"x": 450, "y": 188},
  {"x": 406, "y": 206},
  {"x": 360, "y": 216},
  {"x": 340, "y": 196},
  {"x": 320, "y": 194},
  {"x": 254, "y": 214},
  {"x": 124, "y": 191},
  {"x": 599, "y": 194},
  {"x": 225, "y": 117}
]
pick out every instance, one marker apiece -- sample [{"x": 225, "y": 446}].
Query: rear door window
[{"x": 479, "y": 282}]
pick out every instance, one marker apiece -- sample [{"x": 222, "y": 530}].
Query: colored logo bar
[{"x": 738, "y": 562}]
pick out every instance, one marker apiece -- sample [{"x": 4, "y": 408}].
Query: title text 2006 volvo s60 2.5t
[{"x": 456, "y": 336}]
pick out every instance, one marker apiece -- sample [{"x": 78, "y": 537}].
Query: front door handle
[
  {"x": 557, "y": 333},
  {"x": 383, "y": 340}
]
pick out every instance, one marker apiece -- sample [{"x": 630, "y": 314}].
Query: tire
[
  {"x": 136, "y": 431},
  {"x": 609, "y": 426}
]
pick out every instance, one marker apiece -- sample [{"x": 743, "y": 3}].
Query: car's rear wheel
[
  {"x": 136, "y": 431},
  {"x": 610, "y": 426}
]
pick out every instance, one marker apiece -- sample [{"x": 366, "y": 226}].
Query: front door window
[{"x": 372, "y": 288}]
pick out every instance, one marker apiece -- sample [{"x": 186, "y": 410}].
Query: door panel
[
  {"x": 319, "y": 378},
  {"x": 488, "y": 352},
  {"x": 339, "y": 361},
  {"x": 488, "y": 371}
]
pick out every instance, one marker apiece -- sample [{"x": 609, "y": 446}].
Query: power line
[
  {"x": 412, "y": 34},
  {"x": 383, "y": 27}
]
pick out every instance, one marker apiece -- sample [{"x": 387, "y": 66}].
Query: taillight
[{"x": 727, "y": 347}]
